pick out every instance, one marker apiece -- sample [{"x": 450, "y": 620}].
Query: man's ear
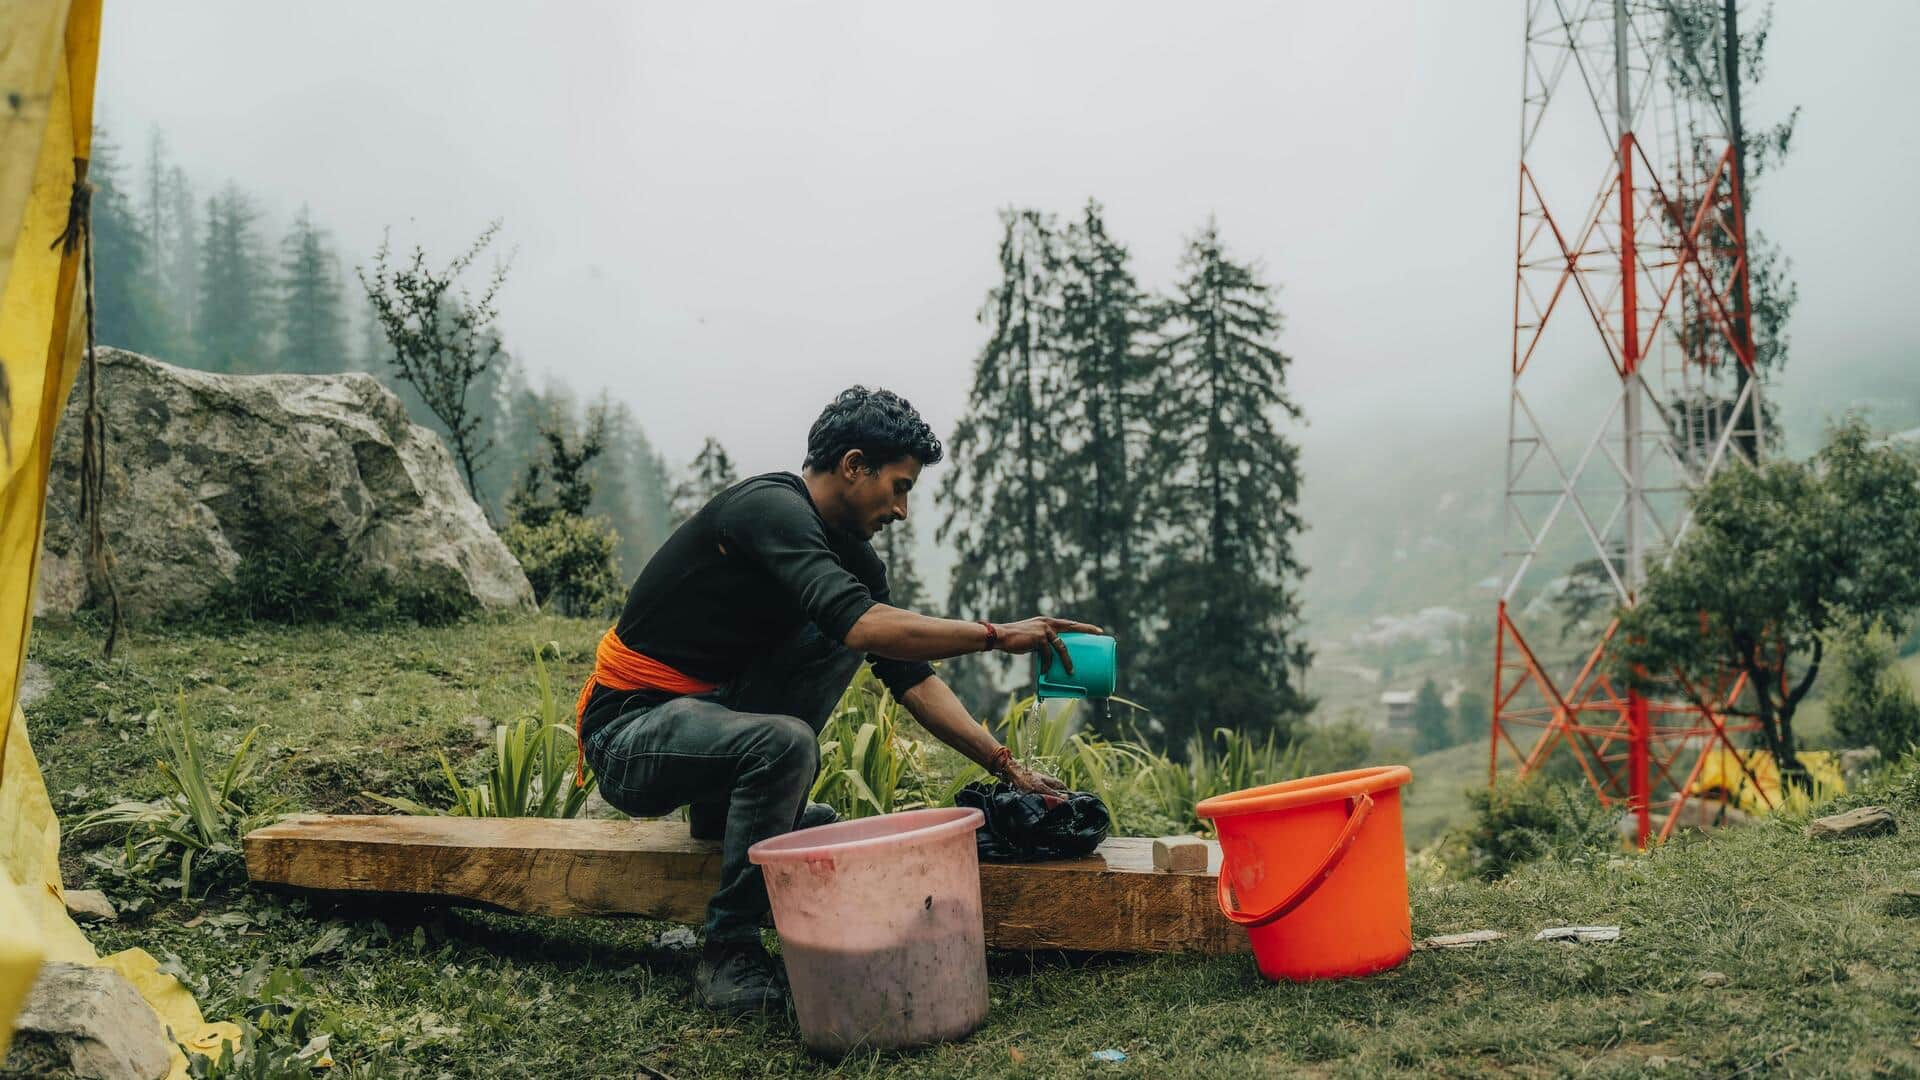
[{"x": 852, "y": 464}]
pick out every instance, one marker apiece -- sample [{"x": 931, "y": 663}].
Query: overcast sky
[{"x": 726, "y": 212}]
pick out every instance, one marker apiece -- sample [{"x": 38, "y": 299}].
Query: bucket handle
[{"x": 1362, "y": 806}]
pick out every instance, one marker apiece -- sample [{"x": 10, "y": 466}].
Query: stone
[
  {"x": 1860, "y": 821},
  {"x": 96, "y": 1020},
  {"x": 35, "y": 683},
  {"x": 89, "y": 905},
  {"x": 1470, "y": 939},
  {"x": 1854, "y": 763},
  {"x": 1713, "y": 980},
  {"x": 1180, "y": 854},
  {"x": 201, "y": 469}
]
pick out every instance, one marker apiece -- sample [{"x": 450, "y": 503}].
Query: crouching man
[{"x": 739, "y": 637}]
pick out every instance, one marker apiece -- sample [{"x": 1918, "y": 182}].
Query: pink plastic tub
[{"x": 879, "y": 922}]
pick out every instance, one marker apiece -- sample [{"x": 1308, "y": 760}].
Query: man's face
[{"x": 878, "y": 498}]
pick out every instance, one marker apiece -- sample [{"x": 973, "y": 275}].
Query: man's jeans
[{"x": 742, "y": 757}]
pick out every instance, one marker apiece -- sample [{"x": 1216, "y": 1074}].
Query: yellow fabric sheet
[{"x": 48, "y": 53}]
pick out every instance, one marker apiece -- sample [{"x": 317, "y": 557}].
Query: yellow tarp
[
  {"x": 48, "y": 53},
  {"x": 1720, "y": 771}
]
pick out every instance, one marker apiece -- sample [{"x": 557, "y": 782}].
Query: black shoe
[
  {"x": 816, "y": 814},
  {"x": 738, "y": 977}
]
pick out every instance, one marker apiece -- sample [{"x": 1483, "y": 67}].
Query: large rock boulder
[{"x": 205, "y": 471}]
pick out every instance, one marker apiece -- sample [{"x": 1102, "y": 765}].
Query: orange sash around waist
[{"x": 617, "y": 667}]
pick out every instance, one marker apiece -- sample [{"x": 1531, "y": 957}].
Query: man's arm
[
  {"x": 933, "y": 704},
  {"x": 899, "y": 634}
]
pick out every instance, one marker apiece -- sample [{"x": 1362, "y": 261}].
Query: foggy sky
[{"x": 726, "y": 212}]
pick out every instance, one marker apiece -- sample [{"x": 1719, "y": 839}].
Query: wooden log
[{"x": 1112, "y": 901}]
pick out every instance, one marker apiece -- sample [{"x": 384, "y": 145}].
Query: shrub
[
  {"x": 868, "y": 764},
  {"x": 569, "y": 562},
  {"x": 202, "y": 817},
  {"x": 1871, "y": 699},
  {"x": 1337, "y": 747},
  {"x": 532, "y": 773},
  {"x": 280, "y": 579},
  {"x": 1229, "y": 761},
  {"x": 1521, "y": 821}
]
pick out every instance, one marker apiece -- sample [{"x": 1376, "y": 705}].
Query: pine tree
[
  {"x": 179, "y": 261},
  {"x": 710, "y": 473},
  {"x": 1432, "y": 723},
  {"x": 1103, "y": 321},
  {"x": 894, "y": 545},
  {"x": 373, "y": 354},
  {"x": 1003, "y": 498},
  {"x": 127, "y": 313},
  {"x": 1471, "y": 713},
  {"x": 231, "y": 317},
  {"x": 312, "y": 328},
  {"x": 631, "y": 489},
  {"x": 1226, "y": 487}
]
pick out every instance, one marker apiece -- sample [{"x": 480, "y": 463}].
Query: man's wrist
[
  {"x": 1000, "y": 762},
  {"x": 993, "y": 636}
]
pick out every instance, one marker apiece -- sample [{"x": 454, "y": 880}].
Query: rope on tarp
[{"x": 93, "y": 446}]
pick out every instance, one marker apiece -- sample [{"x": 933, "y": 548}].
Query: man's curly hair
[{"x": 878, "y": 423}]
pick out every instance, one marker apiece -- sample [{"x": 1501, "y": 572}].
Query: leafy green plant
[
  {"x": 203, "y": 816},
  {"x": 569, "y": 562},
  {"x": 1051, "y": 741},
  {"x": 532, "y": 773},
  {"x": 868, "y": 764},
  {"x": 1871, "y": 700},
  {"x": 1229, "y": 761},
  {"x": 282, "y": 579},
  {"x": 1521, "y": 821}
]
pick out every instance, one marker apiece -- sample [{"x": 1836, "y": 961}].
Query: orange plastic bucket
[{"x": 1316, "y": 870}]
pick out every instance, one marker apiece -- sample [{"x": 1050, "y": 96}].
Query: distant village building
[{"x": 1399, "y": 706}]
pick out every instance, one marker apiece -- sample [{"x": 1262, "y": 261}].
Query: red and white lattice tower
[{"x": 1631, "y": 383}]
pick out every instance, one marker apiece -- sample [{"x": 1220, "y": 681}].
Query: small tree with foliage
[
  {"x": 567, "y": 556},
  {"x": 1872, "y": 701},
  {"x": 1777, "y": 556},
  {"x": 1432, "y": 724},
  {"x": 443, "y": 341},
  {"x": 1472, "y": 715},
  {"x": 710, "y": 473}
]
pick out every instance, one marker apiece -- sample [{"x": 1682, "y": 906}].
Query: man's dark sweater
[{"x": 753, "y": 567}]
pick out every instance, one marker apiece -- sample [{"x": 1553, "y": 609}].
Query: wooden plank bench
[{"x": 1113, "y": 901}]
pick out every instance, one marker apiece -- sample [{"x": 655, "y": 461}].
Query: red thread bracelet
[
  {"x": 1002, "y": 762},
  {"x": 993, "y": 636}
]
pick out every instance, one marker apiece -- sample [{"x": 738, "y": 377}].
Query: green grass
[
  {"x": 1438, "y": 798},
  {"x": 1824, "y": 960}
]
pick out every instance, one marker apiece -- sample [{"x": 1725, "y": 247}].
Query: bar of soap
[{"x": 1179, "y": 854}]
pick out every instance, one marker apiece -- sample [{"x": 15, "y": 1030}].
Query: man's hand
[
  {"x": 1038, "y": 783},
  {"x": 1041, "y": 634}
]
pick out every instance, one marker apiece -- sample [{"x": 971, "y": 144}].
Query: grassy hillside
[{"x": 1820, "y": 950}]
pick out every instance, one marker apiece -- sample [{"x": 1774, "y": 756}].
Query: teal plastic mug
[{"x": 1093, "y": 668}]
